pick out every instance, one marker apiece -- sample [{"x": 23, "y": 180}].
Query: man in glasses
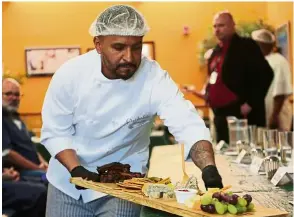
[{"x": 16, "y": 139}]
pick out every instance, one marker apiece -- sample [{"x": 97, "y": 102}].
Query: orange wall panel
[{"x": 33, "y": 24}]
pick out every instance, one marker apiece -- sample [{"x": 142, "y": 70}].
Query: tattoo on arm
[{"x": 202, "y": 154}]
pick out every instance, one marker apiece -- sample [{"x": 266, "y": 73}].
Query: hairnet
[
  {"x": 263, "y": 35},
  {"x": 120, "y": 20}
]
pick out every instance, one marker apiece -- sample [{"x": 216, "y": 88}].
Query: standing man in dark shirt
[
  {"x": 16, "y": 140},
  {"x": 239, "y": 77}
]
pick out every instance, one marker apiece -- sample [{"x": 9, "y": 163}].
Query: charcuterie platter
[{"x": 167, "y": 204}]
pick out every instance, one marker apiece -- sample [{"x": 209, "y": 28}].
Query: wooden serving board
[{"x": 169, "y": 205}]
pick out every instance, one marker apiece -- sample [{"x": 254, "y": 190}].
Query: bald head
[
  {"x": 10, "y": 94},
  {"x": 6, "y": 81},
  {"x": 223, "y": 25}
]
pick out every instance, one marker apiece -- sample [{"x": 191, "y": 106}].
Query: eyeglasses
[{"x": 9, "y": 94}]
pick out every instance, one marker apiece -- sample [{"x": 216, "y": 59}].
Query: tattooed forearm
[{"x": 202, "y": 154}]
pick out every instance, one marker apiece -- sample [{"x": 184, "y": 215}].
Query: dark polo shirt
[{"x": 17, "y": 139}]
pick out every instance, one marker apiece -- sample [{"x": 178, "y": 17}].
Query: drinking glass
[
  {"x": 286, "y": 146},
  {"x": 238, "y": 133},
  {"x": 270, "y": 141},
  {"x": 260, "y": 137},
  {"x": 252, "y": 134}
]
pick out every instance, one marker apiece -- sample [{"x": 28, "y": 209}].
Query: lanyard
[{"x": 216, "y": 64}]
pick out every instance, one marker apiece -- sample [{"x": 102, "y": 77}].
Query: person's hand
[
  {"x": 82, "y": 172},
  {"x": 11, "y": 174},
  {"x": 43, "y": 166},
  {"x": 188, "y": 88},
  {"x": 184, "y": 89},
  {"x": 245, "y": 109},
  {"x": 211, "y": 177}
]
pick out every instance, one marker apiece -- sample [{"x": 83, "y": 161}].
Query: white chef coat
[
  {"x": 281, "y": 85},
  {"x": 110, "y": 120}
]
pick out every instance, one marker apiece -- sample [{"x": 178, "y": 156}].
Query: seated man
[
  {"x": 16, "y": 141},
  {"x": 22, "y": 197}
]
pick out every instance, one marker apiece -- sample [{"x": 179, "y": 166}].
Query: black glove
[
  {"x": 82, "y": 172},
  {"x": 211, "y": 177}
]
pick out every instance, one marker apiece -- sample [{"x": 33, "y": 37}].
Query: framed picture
[
  {"x": 45, "y": 61},
  {"x": 148, "y": 49},
  {"x": 283, "y": 40}
]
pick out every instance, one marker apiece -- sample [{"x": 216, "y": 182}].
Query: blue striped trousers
[{"x": 60, "y": 204}]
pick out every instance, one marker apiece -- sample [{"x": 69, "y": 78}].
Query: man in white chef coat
[{"x": 99, "y": 108}]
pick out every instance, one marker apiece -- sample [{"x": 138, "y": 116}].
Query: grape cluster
[{"x": 226, "y": 202}]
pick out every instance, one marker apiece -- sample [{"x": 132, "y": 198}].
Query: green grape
[
  {"x": 232, "y": 209},
  {"x": 244, "y": 208},
  {"x": 239, "y": 208},
  {"x": 214, "y": 200},
  {"x": 250, "y": 207},
  {"x": 242, "y": 201},
  {"x": 225, "y": 207},
  {"x": 206, "y": 199},
  {"x": 219, "y": 207},
  {"x": 230, "y": 193}
]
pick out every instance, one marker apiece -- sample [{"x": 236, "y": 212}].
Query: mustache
[{"x": 126, "y": 65}]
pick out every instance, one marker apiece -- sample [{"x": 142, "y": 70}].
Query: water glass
[
  {"x": 286, "y": 146},
  {"x": 238, "y": 132},
  {"x": 260, "y": 137},
  {"x": 252, "y": 134},
  {"x": 270, "y": 141}
]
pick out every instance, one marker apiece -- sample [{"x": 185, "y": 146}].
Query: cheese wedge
[{"x": 158, "y": 191}]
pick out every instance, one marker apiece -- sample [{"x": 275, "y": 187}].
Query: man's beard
[{"x": 10, "y": 108}]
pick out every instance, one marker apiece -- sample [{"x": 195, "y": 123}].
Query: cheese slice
[{"x": 158, "y": 190}]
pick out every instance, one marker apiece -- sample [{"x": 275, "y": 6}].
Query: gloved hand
[
  {"x": 82, "y": 172},
  {"x": 211, "y": 177}
]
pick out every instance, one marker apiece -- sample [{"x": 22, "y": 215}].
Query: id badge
[{"x": 213, "y": 77}]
